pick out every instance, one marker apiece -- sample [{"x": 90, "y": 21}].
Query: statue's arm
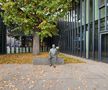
[{"x": 57, "y": 52}]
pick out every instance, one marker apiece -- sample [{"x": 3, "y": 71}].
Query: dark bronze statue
[{"x": 53, "y": 55}]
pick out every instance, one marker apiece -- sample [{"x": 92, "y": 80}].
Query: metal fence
[
  {"x": 84, "y": 31},
  {"x": 23, "y": 44},
  {"x": 2, "y": 37}
]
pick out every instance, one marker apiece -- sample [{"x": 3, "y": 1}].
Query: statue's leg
[
  {"x": 50, "y": 60},
  {"x": 54, "y": 61}
]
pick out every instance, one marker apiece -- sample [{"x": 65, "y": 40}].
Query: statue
[{"x": 53, "y": 55}]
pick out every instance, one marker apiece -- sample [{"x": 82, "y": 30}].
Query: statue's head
[{"x": 53, "y": 46}]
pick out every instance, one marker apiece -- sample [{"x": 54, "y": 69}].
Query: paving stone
[{"x": 88, "y": 76}]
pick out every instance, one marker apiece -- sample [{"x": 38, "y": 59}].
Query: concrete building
[{"x": 84, "y": 29}]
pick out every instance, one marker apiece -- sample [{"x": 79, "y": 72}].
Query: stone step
[{"x": 45, "y": 61}]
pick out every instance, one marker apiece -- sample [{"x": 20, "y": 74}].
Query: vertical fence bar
[
  {"x": 75, "y": 31},
  {"x": 72, "y": 27},
  {"x": 85, "y": 28},
  {"x": 63, "y": 33},
  {"x": 88, "y": 29},
  {"x": 99, "y": 36},
  {"x": 10, "y": 46},
  {"x": 72, "y": 30},
  {"x": 19, "y": 45},
  {"x": 93, "y": 26},
  {"x": 68, "y": 30},
  {"x": 4, "y": 39},
  {"x": 14, "y": 46},
  {"x": 105, "y": 15},
  {"x": 80, "y": 27}
]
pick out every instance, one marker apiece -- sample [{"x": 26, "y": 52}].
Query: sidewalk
[{"x": 87, "y": 76}]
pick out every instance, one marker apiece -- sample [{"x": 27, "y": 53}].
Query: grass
[
  {"x": 26, "y": 58},
  {"x": 70, "y": 59}
]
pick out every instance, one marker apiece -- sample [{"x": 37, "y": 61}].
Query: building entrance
[{"x": 104, "y": 47}]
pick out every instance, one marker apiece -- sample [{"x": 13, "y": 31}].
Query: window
[
  {"x": 102, "y": 12},
  {"x": 102, "y": 2}
]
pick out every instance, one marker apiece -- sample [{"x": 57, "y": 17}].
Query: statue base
[{"x": 45, "y": 61}]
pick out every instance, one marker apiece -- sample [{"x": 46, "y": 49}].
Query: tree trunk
[{"x": 36, "y": 48}]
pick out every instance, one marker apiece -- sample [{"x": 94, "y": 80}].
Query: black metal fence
[
  {"x": 84, "y": 31},
  {"x": 2, "y": 37},
  {"x": 24, "y": 44},
  {"x": 19, "y": 44}
]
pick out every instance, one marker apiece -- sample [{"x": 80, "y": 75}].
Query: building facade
[{"x": 84, "y": 29}]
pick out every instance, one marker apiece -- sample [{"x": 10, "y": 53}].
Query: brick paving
[{"x": 87, "y": 76}]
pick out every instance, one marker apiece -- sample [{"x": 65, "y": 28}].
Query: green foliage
[{"x": 37, "y": 15}]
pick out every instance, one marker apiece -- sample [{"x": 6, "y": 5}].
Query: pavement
[{"x": 86, "y": 76}]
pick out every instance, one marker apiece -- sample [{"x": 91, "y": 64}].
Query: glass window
[
  {"x": 91, "y": 10},
  {"x": 96, "y": 10},
  {"x": 83, "y": 13},
  {"x": 102, "y": 2},
  {"x": 102, "y": 12},
  {"x": 102, "y": 24},
  {"x": 107, "y": 7},
  {"x": 107, "y": 23},
  {"x": 105, "y": 47}
]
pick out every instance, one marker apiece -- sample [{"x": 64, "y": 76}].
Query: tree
[{"x": 36, "y": 16}]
